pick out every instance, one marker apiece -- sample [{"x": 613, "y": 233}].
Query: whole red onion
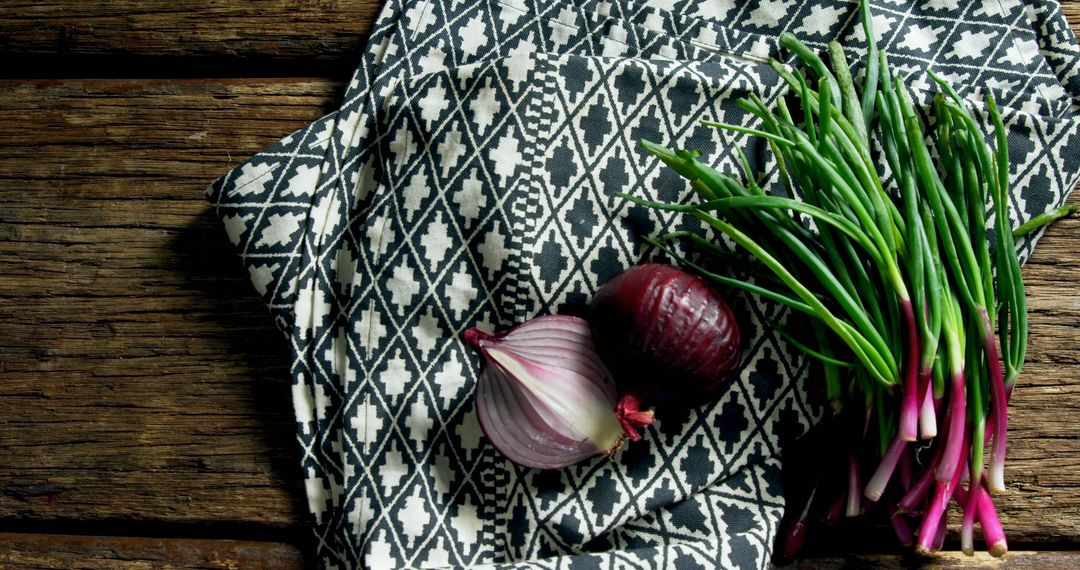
[{"x": 665, "y": 334}]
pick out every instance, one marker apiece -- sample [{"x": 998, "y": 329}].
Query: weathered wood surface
[
  {"x": 131, "y": 553},
  {"x": 1023, "y": 560},
  {"x": 1072, "y": 12},
  {"x": 142, "y": 388},
  {"x": 18, "y": 550},
  {"x": 140, "y": 377},
  {"x": 280, "y": 29},
  {"x": 1043, "y": 471},
  {"x": 142, "y": 380}
]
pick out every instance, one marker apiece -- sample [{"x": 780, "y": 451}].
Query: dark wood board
[
  {"x": 280, "y": 29},
  {"x": 24, "y": 550},
  {"x": 1072, "y": 12},
  {"x": 141, "y": 377},
  {"x": 143, "y": 390},
  {"x": 1022, "y": 560}
]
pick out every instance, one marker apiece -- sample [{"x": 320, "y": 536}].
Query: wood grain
[
  {"x": 283, "y": 29},
  {"x": 141, "y": 377},
  {"x": 1043, "y": 470},
  {"x": 130, "y": 553},
  {"x": 19, "y": 550},
  {"x": 302, "y": 30},
  {"x": 143, "y": 389},
  {"x": 142, "y": 380},
  {"x": 1072, "y": 14},
  {"x": 1023, "y": 560}
]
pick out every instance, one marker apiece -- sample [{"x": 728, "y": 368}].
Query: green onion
[{"x": 891, "y": 266}]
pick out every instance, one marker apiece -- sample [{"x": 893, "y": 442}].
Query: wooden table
[{"x": 145, "y": 414}]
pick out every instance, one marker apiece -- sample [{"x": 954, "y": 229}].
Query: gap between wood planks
[
  {"x": 62, "y": 66},
  {"x": 66, "y": 551},
  {"x": 164, "y": 38},
  {"x": 130, "y": 323},
  {"x": 295, "y": 533},
  {"x": 228, "y": 38}
]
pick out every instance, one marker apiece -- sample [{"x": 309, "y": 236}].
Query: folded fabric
[{"x": 469, "y": 178}]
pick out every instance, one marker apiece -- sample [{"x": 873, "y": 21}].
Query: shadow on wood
[{"x": 211, "y": 267}]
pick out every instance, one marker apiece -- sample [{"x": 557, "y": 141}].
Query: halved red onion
[{"x": 545, "y": 399}]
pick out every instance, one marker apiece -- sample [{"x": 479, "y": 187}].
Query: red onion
[
  {"x": 665, "y": 334},
  {"x": 545, "y": 399}
]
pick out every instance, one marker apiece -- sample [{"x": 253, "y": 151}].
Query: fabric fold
[{"x": 468, "y": 179}]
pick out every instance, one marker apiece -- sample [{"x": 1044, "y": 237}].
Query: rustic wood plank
[
  {"x": 129, "y": 553},
  {"x": 1043, "y": 470},
  {"x": 141, "y": 378},
  {"x": 282, "y": 29},
  {"x": 1023, "y": 560},
  {"x": 235, "y": 30},
  {"x": 18, "y": 550},
  {"x": 1072, "y": 13},
  {"x": 113, "y": 277}
]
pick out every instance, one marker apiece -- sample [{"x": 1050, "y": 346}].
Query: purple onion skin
[{"x": 665, "y": 334}]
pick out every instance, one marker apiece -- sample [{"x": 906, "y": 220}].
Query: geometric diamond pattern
[{"x": 469, "y": 179}]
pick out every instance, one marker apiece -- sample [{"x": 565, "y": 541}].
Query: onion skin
[
  {"x": 665, "y": 334},
  {"x": 545, "y": 399}
]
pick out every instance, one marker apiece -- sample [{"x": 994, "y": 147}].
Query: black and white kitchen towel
[{"x": 468, "y": 179}]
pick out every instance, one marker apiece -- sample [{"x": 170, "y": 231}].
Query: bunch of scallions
[{"x": 893, "y": 270}]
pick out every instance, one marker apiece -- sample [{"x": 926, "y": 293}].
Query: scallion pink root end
[
  {"x": 909, "y": 405},
  {"x": 836, "y": 507},
  {"x": 991, "y": 525},
  {"x": 854, "y": 508},
  {"x": 1000, "y": 414},
  {"x": 901, "y": 527},
  {"x": 885, "y": 469},
  {"x": 928, "y": 417},
  {"x": 971, "y": 509},
  {"x": 996, "y": 543},
  {"x": 954, "y": 446},
  {"x": 939, "y": 536}
]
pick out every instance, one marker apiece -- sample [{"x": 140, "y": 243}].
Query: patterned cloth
[{"x": 468, "y": 179}]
